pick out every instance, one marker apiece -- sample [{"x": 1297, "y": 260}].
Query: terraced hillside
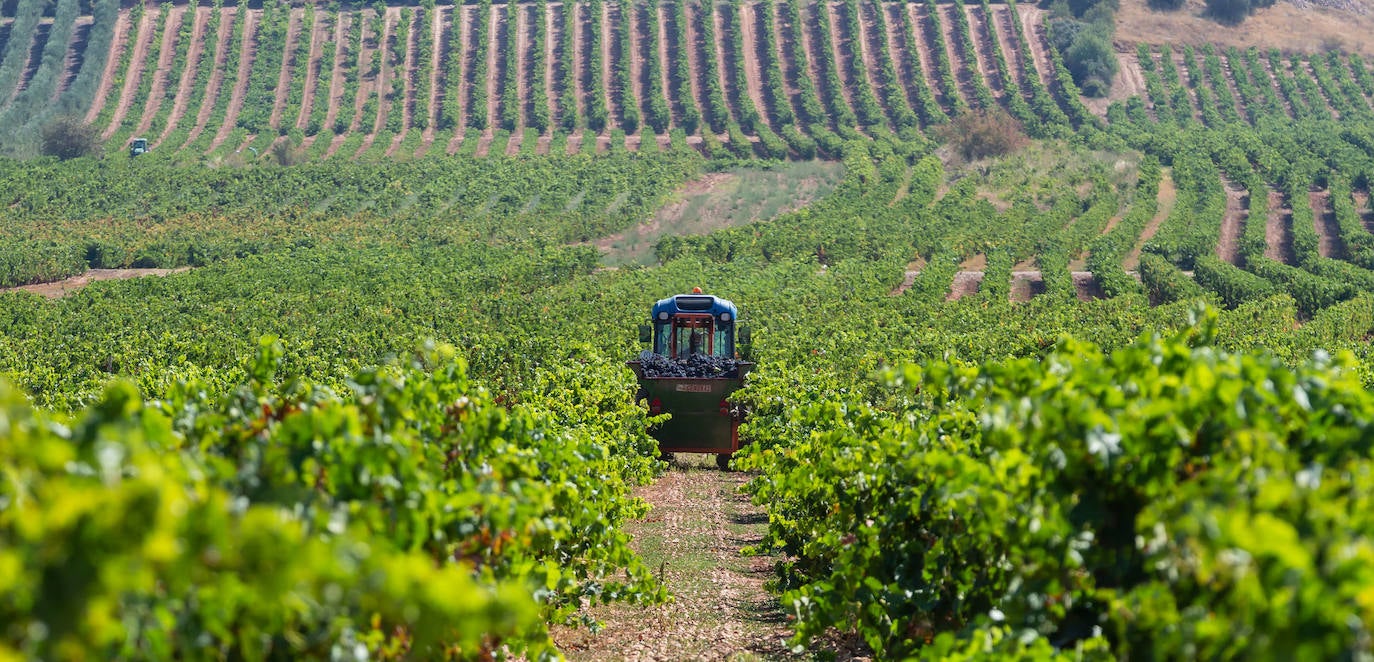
[
  {"x": 749, "y": 77},
  {"x": 752, "y": 78}
]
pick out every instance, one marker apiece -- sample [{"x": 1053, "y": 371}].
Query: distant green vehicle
[
  {"x": 138, "y": 146},
  {"x": 690, "y": 371}
]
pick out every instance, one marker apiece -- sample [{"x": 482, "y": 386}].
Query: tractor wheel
[{"x": 723, "y": 461}]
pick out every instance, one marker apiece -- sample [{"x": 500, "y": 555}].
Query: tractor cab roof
[{"x": 695, "y": 303}]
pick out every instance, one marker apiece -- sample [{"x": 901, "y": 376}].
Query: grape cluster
[{"x": 694, "y": 365}]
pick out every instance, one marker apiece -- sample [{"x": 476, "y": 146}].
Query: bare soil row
[{"x": 453, "y": 36}]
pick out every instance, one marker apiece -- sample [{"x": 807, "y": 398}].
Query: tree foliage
[{"x": 70, "y": 137}]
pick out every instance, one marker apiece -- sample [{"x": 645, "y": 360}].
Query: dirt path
[
  {"x": 843, "y": 48},
  {"x": 613, "y": 110},
  {"x": 410, "y": 71},
  {"x": 61, "y": 288},
  {"x": 341, "y": 53},
  {"x": 786, "y": 40},
  {"x": 1185, "y": 80},
  {"x": 639, "y": 72},
  {"x": 132, "y": 75},
  {"x": 1328, "y": 230},
  {"x": 438, "y": 49},
  {"x": 171, "y": 28},
  {"x": 74, "y": 58},
  {"x": 982, "y": 50},
  {"x": 495, "y": 66},
  {"x": 318, "y": 33},
  {"x": 1278, "y": 235},
  {"x": 965, "y": 283},
  {"x": 812, "y": 66},
  {"x": 362, "y": 58},
  {"x": 693, "y": 535},
  {"x": 1001, "y": 26},
  {"x": 107, "y": 78},
  {"x": 463, "y": 21},
  {"x": 408, "y": 74},
  {"x": 1032, "y": 21},
  {"x": 1321, "y": 103},
  {"x": 1362, "y": 207},
  {"x": 212, "y": 89},
  {"x": 963, "y": 71},
  {"x": 377, "y": 87},
  {"x": 1233, "y": 223},
  {"x": 1129, "y": 82},
  {"x": 581, "y": 74},
  {"x": 746, "y": 21},
  {"x": 660, "y": 41},
  {"x": 1229, "y": 80},
  {"x": 897, "y": 47},
  {"x": 870, "y": 50},
  {"x": 553, "y": 40},
  {"x": 1273, "y": 83},
  {"x": 289, "y": 67},
  {"x": 1168, "y": 194},
  {"x": 390, "y": 19},
  {"x": 922, "y": 46},
  {"x": 246, "y": 57},
  {"x": 690, "y": 14},
  {"x": 188, "y": 73},
  {"x": 518, "y": 33},
  {"x": 724, "y": 58}
]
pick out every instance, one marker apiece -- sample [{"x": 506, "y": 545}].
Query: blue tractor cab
[
  {"x": 691, "y": 368},
  {"x": 695, "y": 323}
]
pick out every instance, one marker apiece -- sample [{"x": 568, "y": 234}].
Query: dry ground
[
  {"x": 1285, "y": 26},
  {"x": 61, "y": 288},
  {"x": 720, "y": 609},
  {"x": 724, "y": 199}
]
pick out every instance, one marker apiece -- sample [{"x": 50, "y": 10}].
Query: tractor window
[
  {"x": 663, "y": 339},
  {"x": 721, "y": 344},
  {"x": 692, "y": 340},
  {"x": 689, "y": 334}
]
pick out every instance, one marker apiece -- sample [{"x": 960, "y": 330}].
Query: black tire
[
  {"x": 666, "y": 457},
  {"x": 723, "y": 461}
]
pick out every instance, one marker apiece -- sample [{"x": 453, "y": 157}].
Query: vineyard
[
  {"x": 1104, "y": 394},
  {"x": 745, "y": 78},
  {"x": 785, "y": 79}
]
